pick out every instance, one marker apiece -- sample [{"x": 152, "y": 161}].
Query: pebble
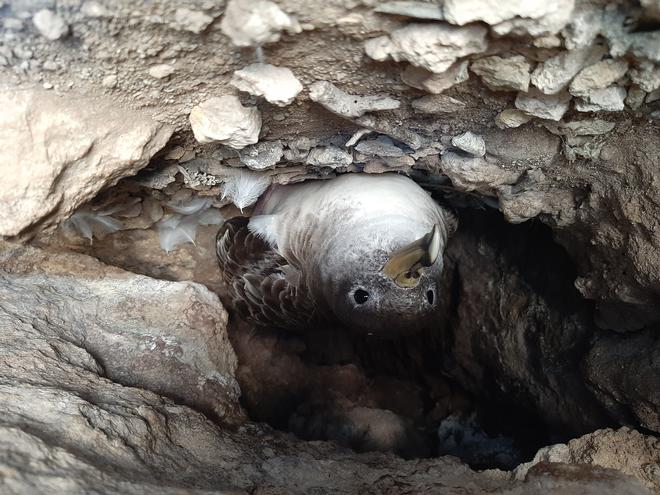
[
  {"x": 537, "y": 104},
  {"x": 109, "y": 81},
  {"x": 602, "y": 100},
  {"x": 556, "y": 73},
  {"x": 425, "y": 80},
  {"x": 511, "y": 118},
  {"x": 503, "y": 74},
  {"x": 193, "y": 21},
  {"x": 50, "y": 25},
  {"x": 223, "y": 119},
  {"x": 255, "y": 22},
  {"x": 277, "y": 85},
  {"x": 470, "y": 143},
  {"x": 347, "y": 105},
  {"x": 161, "y": 71},
  {"x": 263, "y": 155},
  {"x": 418, "y": 10},
  {"x": 329, "y": 156},
  {"x": 598, "y": 76}
]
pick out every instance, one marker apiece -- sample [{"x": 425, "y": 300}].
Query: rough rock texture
[
  {"x": 56, "y": 154},
  {"x": 277, "y": 85},
  {"x": 225, "y": 120}
]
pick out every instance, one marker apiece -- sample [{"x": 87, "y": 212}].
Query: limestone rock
[
  {"x": 329, "y": 156},
  {"x": 346, "y": 105},
  {"x": 635, "y": 97},
  {"x": 194, "y": 21},
  {"x": 602, "y": 100},
  {"x": 56, "y": 154},
  {"x": 418, "y": 10},
  {"x": 255, "y": 22},
  {"x": 646, "y": 76},
  {"x": 556, "y": 73},
  {"x": 176, "y": 345},
  {"x": 393, "y": 129},
  {"x": 598, "y": 76},
  {"x": 277, "y": 85},
  {"x": 425, "y": 80},
  {"x": 437, "y": 104},
  {"x": 382, "y": 146},
  {"x": 510, "y": 118},
  {"x": 434, "y": 47},
  {"x": 475, "y": 173},
  {"x": 161, "y": 71},
  {"x": 470, "y": 143},
  {"x": 537, "y": 104},
  {"x": 225, "y": 120},
  {"x": 50, "y": 25},
  {"x": 262, "y": 155},
  {"x": 503, "y": 74},
  {"x": 519, "y": 17}
]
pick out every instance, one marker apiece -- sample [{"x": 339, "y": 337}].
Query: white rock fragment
[
  {"x": 161, "y": 71},
  {"x": 50, "y": 25},
  {"x": 193, "y": 21},
  {"x": 263, "y": 155},
  {"x": 549, "y": 41},
  {"x": 419, "y": 78},
  {"x": 329, "y": 156},
  {"x": 357, "y": 135},
  {"x": 602, "y": 100},
  {"x": 598, "y": 76},
  {"x": 434, "y": 47},
  {"x": 255, "y": 22},
  {"x": 223, "y": 119},
  {"x": 277, "y": 85},
  {"x": 646, "y": 76},
  {"x": 346, "y": 105},
  {"x": 475, "y": 174},
  {"x": 470, "y": 143},
  {"x": 94, "y": 9},
  {"x": 511, "y": 118},
  {"x": 382, "y": 146},
  {"x": 418, "y": 10},
  {"x": 533, "y": 17},
  {"x": 503, "y": 74},
  {"x": 109, "y": 81},
  {"x": 556, "y": 73},
  {"x": 537, "y": 104},
  {"x": 437, "y": 104}
]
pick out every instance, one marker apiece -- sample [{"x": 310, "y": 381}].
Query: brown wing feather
[{"x": 255, "y": 275}]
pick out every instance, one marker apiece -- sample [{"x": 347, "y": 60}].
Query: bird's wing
[{"x": 264, "y": 287}]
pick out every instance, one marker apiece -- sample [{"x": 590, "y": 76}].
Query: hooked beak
[{"x": 405, "y": 264}]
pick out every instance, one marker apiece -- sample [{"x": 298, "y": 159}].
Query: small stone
[
  {"x": 346, "y": 105},
  {"x": 556, "y": 73},
  {"x": 193, "y": 21},
  {"x": 398, "y": 131},
  {"x": 437, "y": 104},
  {"x": 51, "y": 65},
  {"x": 598, "y": 76},
  {"x": 587, "y": 127},
  {"x": 161, "y": 71},
  {"x": 418, "y": 10},
  {"x": 503, "y": 74},
  {"x": 419, "y": 78},
  {"x": 329, "y": 156},
  {"x": 475, "y": 173},
  {"x": 550, "y": 41},
  {"x": 511, "y": 118},
  {"x": 109, "y": 81},
  {"x": 277, "y": 85},
  {"x": 602, "y": 100},
  {"x": 357, "y": 135},
  {"x": 434, "y": 47},
  {"x": 47, "y": 85},
  {"x": 262, "y": 155},
  {"x": 635, "y": 97},
  {"x": 470, "y": 143},
  {"x": 255, "y": 22},
  {"x": 50, "y": 25},
  {"x": 381, "y": 146},
  {"x": 224, "y": 120},
  {"x": 94, "y": 9},
  {"x": 646, "y": 76},
  {"x": 537, "y": 104}
]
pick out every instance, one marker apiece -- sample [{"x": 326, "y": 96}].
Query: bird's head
[{"x": 388, "y": 291}]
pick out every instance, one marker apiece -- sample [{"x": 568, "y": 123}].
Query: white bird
[{"x": 365, "y": 250}]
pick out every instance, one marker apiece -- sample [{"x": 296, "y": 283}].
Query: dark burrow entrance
[{"x": 496, "y": 378}]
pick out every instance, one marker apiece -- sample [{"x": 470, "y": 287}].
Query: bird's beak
[{"x": 405, "y": 265}]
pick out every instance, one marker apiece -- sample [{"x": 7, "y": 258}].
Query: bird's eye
[
  {"x": 430, "y": 296},
  {"x": 361, "y": 296}
]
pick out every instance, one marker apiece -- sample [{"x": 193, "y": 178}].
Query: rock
[
  {"x": 646, "y": 76},
  {"x": 475, "y": 173},
  {"x": 606, "y": 100},
  {"x": 510, "y": 118},
  {"x": 50, "y": 25},
  {"x": 161, "y": 71},
  {"x": 587, "y": 127},
  {"x": 262, "y": 155},
  {"x": 193, "y": 21},
  {"x": 470, "y": 143},
  {"x": 418, "y": 10},
  {"x": 419, "y": 78},
  {"x": 393, "y": 129},
  {"x": 109, "y": 81},
  {"x": 94, "y": 9},
  {"x": 434, "y": 47},
  {"x": 437, "y": 104},
  {"x": 625, "y": 450},
  {"x": 537, "y": 104},
  {"x": 225, "y": 120},
  {"x": 176, "y": 345},
  {"x": 549, "y": 41},
  {"x": 503, "y": 74},
  {"x": 255, "y": 22},
  {"x": 598, "y": 76},
  {"x": 381, "y": 146},
  {"x": 346, "y": 105},
  {"x": 635, "y": 97},
  {"x": 556, "y": 73},
  {"x": 645, "y": 45},
  {"x": 535, "y": 18},
  {"x": 277, "y": 85},
  {"x": 48, "y": 145},
  {"x": 329, "y": 156}
]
